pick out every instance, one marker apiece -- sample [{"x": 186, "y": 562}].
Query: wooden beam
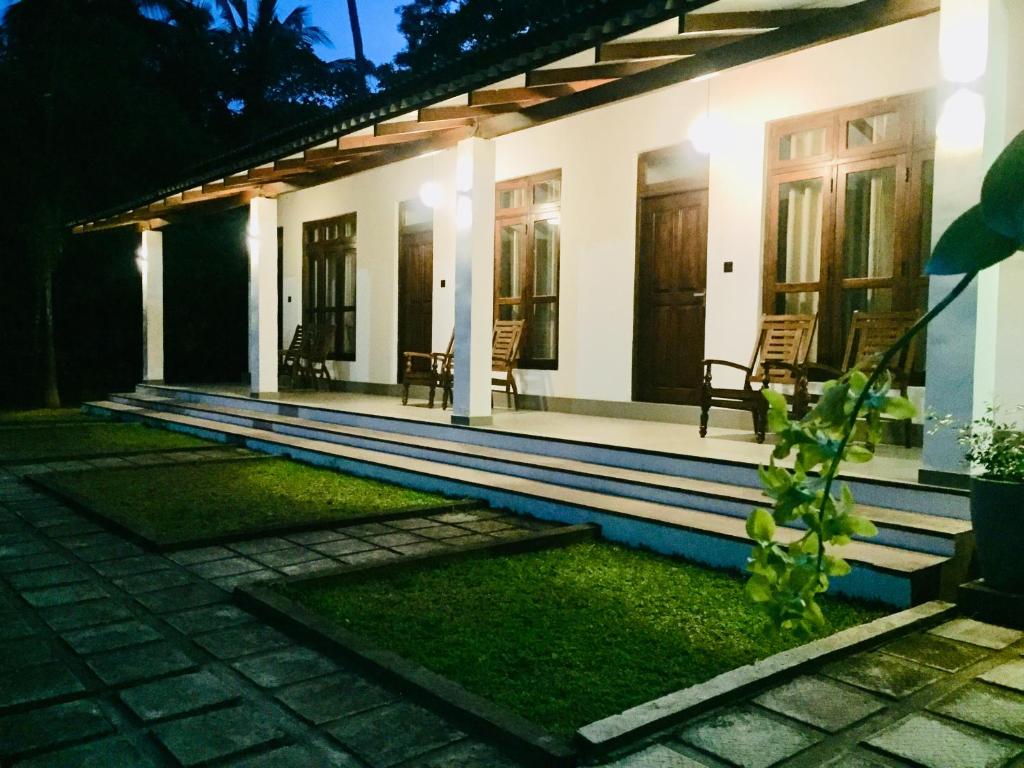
[
  {"x": 606, "y": 71},
  {"x": 379, "y": 142},
  {"x": 447, "y": 114},
  {"x": 832, "y": 24},
  {"x": 414, "y": 126},
  {"x": 679, "y": 45},
  {"x": 716, "y": 22},
  {"x": 526, "y": 96}
]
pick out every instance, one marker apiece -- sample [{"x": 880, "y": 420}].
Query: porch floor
[{"x": 891, "y": 463}]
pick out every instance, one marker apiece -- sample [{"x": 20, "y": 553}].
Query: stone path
[
  {"x": 143, "y": 459},
  {"x": 112, "y": 657}
]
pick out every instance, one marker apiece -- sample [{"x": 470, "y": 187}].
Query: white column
[
  {"x": 978, "y": 116},
  {"x": 262, "y": 242},
  {"x": 474, "y": 281},
  {"x": 151, "y": 266}
]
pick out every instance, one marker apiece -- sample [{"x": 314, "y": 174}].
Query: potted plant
[
  {"x": 997, "y": 499},
  {"x": 787, "y": 578}
]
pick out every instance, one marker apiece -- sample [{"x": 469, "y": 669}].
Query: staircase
[{"x": 670, "y": 503}]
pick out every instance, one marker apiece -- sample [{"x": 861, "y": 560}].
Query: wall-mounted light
[
  {"x": 708, "y": 133},
  {"x": 963, "y": 40},
  {"x": 961, "y": 124},
  {"x": 140, "y": 260},
  {"x": 430, "y": 194}
]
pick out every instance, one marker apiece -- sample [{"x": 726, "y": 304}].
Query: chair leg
[
  {"x": 705, "y": 408},
  {"x": 430, "y": 401},
  {"x": 405, "y": 393},
  {"x": 515, "y": 391},
  {"x": 760, "y": 421}
]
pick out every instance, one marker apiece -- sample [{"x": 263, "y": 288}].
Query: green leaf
[
  {"x": 776, "y": 402},
  {"x": 836, "y": 566},
  {"x": 758, "y": 589},
  {"x": 1002, "y": 194},
  {"x": 860, "y": 526},
  {"x": 900, "y": 408},
  {"x": 968, "y": 245},
  {"x": 858, "y": 454},
  {"x": 760, "y": 525}
]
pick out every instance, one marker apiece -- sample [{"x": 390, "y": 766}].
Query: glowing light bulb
[
  {"x": 961, "y": 125},
  {"x": 430, "y": 194}
]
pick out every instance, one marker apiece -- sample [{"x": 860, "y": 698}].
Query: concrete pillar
[
  {"x": 474, "y": 281},
  {"x": 978, "y": 115},
  {"x": 262, "y": 242},
  {"x": 151, "y": 266}
]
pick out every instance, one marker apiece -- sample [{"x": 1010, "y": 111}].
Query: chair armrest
[
  {"x": 822, "y": 368},
  {"x": 710, "y": 362}
]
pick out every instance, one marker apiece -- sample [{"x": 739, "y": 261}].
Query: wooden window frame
[
  {"x": 908, "y": 154},
  {"x": 324, "y": 241},
  {"x": 527, "y": 216}
]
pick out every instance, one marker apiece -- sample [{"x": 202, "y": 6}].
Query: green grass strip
[
  {"x": 568, "y": 636},
  {"x": 46, "y": 416},
  {"x": 218, "y": 498},
  {"x": 39, "y": 443}
]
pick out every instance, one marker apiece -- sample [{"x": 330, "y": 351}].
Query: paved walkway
[{"x": 111, "y": 657}]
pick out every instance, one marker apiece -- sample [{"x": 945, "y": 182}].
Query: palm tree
[
  {"x": 271, "y": 55},
  {"x": 362, "y": 65}
]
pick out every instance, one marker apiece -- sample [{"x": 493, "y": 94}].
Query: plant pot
[{"x": 997, "y": 514}]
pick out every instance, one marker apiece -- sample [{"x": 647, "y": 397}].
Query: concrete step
[
  {"x": 887, "y": 574},
  {"x": 908, "y": 530}
]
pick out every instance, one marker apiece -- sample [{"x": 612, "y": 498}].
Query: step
[
  {"x": 908, "y": 530},
  {"x": 913, "y": 497},
  {"x": 887, "y": 574}
]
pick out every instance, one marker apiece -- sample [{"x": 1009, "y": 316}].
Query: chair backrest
[
  {"x": 296, "y": 346},
  {"x": 322, "y": 343},
  {"x": 871, "y": 333},
  {"x": 782, "y": 338},
  {"x": 505, "y": 343}
]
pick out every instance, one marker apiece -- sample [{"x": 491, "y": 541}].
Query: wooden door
[
  {"x": 671, "y": 280},
  {"x": 415, "y": 293}
]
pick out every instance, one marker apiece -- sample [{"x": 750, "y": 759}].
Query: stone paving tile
[
  {"x": 393, "y": 539},
  {"x": 257, "y": 546},
  {"x": 457, "y": 517},
  {"x": 466, "y": 754},
  {"x": 48, "y": 577},
  {"x": 489, "y": 526},
  {"x": 131, "y": 566},
  {"x": 934, "y": 652},
  {"x": 28, "y": 652},
  {"x": 882, "y": 674},
  {"x": 281, "y": 557},
  {"x": 218, "y": 734},
  {"x": 175, "y": 696},
  {"x": 1009, "y": 675},
  {"x": 342, "y": 547},
  {"x": 296, "y": 756},
  {"x": 85, "y": 614},
  {"x": 13, "y": 627},
  {"x": 364, "y": 529},
  {"x": 398, "y": 732},
  {"x": 64, "y": 594},
  {"x": 935, "y": 743},
  {"x": 273, "y": 670},
  {"x": 110, "y": 637},
  {"x": 745, "y": 737},
  {"x": 372, "y": 556},
  {"x": 108, "y": 552},
  {"x": 115, "y": 752},
  {"x": 192, "y": 556},
  {"x": 310, "y": 567},
  {"x": 51, "y": 727},
  {"x": 32, "y": 563},
  {"x": 144, "y": 662},
  {"x": 180, "y": 598},
  {"x": 19, "y": 549},
  {"x": 986, "y": 706},
  {"x": 331, "y": 698},
  {"x": 151, "y": 582},
  {"x": 442, "y": 532},
  {"x": 228, "y": 583},
  {"x": 37, "y": 684},
  {"x": 413, "y": 523},
  {"x": 656, "y": 756},
  {"x": 231, "y": 566},
  {"x": 207, "y": 618},
  {"x": 101, "y": 538},
  {"x": 421, "y": 547},
  {"x": 314, "y": 537},
  {"x": 470, "y": 540},
  {"x": 820, "y": 702},
  {"x": 243, "y": 640},
  {"x": 978, "y": 633}
]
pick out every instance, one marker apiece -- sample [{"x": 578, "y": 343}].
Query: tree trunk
[
  {"x": 362, "y": 65},
  {"x": 51, "y": 396}
]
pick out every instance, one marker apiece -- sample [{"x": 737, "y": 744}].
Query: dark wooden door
[
  {"x": 672, "y": 277},
  {"x": 415, "y": 293}
]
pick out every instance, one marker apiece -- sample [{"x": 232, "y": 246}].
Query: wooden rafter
[
  {"x": 414, "y": 126},
  {"x": 606, "y": 71},
  {"x": 715, "y": 22},
  {"x": 678, "y": 45},
  {"x": 531, "y": 95}
]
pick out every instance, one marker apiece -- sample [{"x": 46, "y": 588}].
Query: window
[
  {"x": 526, "y": 262},
  {"x": 329, "y": 282},
  {"x": 849, "y": 215}
]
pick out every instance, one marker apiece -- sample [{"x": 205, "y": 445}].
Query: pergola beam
[
  {"x": 679, "y": 45},
  {"x": 763, "y": 20},
  {"x": 531, "y": 95},
  {"x": 613, "y": 70}
]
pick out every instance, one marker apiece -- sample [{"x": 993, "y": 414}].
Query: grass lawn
[
  {"x": 45, "y": 416},
  {"x": 217, "y": 498},
  {"x": 566, "y": 636},
  {"x": 38, "y": 443}
]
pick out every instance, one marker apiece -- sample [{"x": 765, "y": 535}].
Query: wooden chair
[
  {"x": 506, "y": 344},
  {"x": 290, "y": 359},
  {"x": 427, "y": 369},
  {"x": 870, "y": 335},
  {"x": 779, "y": 358},
  {"x": 314, "y": 362}
]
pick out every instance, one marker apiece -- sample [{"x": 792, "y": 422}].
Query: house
[{"x": 640, "y": 192}]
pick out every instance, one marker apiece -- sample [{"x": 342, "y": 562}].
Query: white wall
[{"x": 597, "y": 152}]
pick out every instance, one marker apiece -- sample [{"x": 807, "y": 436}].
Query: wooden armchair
[
  {"x": 870, "y": 335},
  {"x": 289, "y": 360},
  {"x": 779, "y": 358},
  {"x": 506, "y": 344},
  {"x": 314, "y": 362},
  {"x": 429, "y": 369}
]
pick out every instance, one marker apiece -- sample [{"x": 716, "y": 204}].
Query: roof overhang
[{"x": 668, "y": 42}]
